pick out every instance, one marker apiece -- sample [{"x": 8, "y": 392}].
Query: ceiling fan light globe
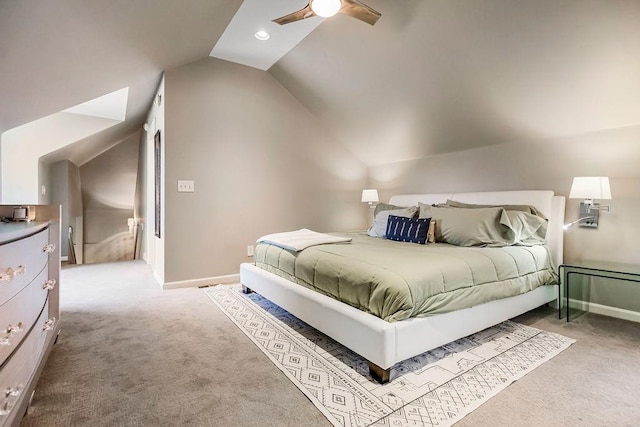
[{"x": 326, "y": 8}]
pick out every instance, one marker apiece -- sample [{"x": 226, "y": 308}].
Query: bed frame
[{"x": 384, "y": 343}]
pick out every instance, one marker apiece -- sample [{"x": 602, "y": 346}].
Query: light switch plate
[{"x": 186, "y": 186}]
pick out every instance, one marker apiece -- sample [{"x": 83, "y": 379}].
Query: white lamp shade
[
  {"x": 370, "y": 196},
  {"x": 590, "y": 187}
]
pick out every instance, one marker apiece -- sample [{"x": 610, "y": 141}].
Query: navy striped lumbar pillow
[{"x": 403, "y": 229}]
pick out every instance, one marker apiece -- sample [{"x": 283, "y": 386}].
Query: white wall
[
  {"x": 44, "y": 182},
  {"x": 153, "y": 247},
  {"x": 22, "y": 147}
]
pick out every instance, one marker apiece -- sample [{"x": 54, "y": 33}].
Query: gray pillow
[
  {"x": 524, "y": 208},
  {"x": 379, "y": 226},
  {"x": 468, "y": 227},
  {"x": 524, "y": 228},
  {"x": 385, "y": 207}
]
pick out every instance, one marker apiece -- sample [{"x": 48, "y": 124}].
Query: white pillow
[{"x": 379, "y": 226}]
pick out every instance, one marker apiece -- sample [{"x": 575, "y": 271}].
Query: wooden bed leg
[
  {"x": 379, "y": 374},
  {"x": 246, "y": 290}
]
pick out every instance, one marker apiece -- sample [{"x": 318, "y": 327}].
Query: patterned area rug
[{"x": 436, "y": 388}]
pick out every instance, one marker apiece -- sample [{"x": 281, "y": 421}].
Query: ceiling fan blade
[
  {"x": 360, "y": 11},
  {"x": 296, "y": 16}
]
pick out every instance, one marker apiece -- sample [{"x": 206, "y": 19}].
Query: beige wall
[
  {"x": 549, "y": 164},
  {"x": 65, "y": 190},
  {"x": 260, "y": 161},
  {"x": 108, "y": 189}
]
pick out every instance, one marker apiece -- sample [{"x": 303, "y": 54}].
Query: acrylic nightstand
[{"x": 608, "y": 270}]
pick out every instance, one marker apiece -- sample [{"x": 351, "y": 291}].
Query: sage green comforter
[{"x": 397, "y": 280}]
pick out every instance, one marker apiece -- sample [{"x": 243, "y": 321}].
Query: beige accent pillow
[{"x": 431, "y": 234}]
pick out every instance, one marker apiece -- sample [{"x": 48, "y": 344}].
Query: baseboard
[
  {"x": 217, "y": 280},
  {"x": 158, "y": 278},
  {"x": 64, "y": 258},
  {"x": 605, "y": 310}
]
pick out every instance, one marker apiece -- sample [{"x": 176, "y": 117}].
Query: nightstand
[{"x": 608, "y": 270}]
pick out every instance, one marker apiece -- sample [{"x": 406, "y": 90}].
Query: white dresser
[{"x": 29, "y": 306}]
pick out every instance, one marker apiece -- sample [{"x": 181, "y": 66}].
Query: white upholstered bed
[{"x": 384, "y": 343}]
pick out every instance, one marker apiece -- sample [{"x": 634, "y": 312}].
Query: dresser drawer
[
  {"x": 21, "y": 261},
  {"x": 18, "y": 370},
  {"x": 19, "y": 313}
]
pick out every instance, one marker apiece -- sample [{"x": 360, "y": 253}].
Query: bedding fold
[{"x": 301, "y": 239}]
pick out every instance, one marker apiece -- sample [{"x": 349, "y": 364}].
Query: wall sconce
[
  {"x": 589, "y": 188},
  {"x": 371, "y": 197}
]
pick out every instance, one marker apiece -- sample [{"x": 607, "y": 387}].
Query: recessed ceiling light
[{"x": 262, "y": 35}]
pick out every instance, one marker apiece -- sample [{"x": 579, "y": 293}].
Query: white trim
[
  {"x": 605, "y": 310},
  {"x": 156, "y": 275},
  {"x": 205, "y": 281}
]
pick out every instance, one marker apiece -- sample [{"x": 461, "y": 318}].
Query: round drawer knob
[
  {"x": 49, "y": 284},
  {"x": 48, "y": 325},
  {"x": 10, "y": 273},
  {"x": 14, "y": 391},
  {"x": 14, "y": 329},
  {"x": 6, "y": 408},
  {"x": 10, "y": 332}
]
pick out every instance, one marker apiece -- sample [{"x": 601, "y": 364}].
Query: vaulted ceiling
[
  {"x": 431, "y": 76},
  {"x": 437, "y": 76},
  {"x": 57, "y": 54}
]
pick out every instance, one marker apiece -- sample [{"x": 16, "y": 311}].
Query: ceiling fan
[{"x": 327, "y": 8}]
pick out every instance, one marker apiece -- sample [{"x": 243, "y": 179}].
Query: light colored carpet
[
  {"x": 435, "y": 388},
  {"x": 131, "y": 354}
]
